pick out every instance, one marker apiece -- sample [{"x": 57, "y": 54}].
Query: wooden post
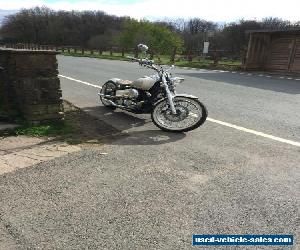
[
  {"x": 82, "y": 51},
  {"x": 173, "y": 55},
  {"x": 63, "y": 49},
  {"x": 69, "y": 50},
  {"x": 111, "y": 51},
  {"x": 136, "y": 53},
  {"x": 190, "y": 57},
  {"x": 92, "y": 52},
  {"x": 216, "y": 57},
  {"x": 248, "y": 55},
  {"x": 151, "y": 54}
]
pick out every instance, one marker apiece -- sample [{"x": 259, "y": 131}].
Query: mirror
[{"x": 142, "y": 47}]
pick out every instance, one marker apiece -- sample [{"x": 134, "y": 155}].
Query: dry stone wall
[{"x": 29, "y": 84}]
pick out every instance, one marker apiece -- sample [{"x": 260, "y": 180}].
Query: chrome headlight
[{"x": 177, "y": 80}]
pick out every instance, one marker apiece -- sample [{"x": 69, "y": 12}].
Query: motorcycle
[{"x": 155, "y": 95}]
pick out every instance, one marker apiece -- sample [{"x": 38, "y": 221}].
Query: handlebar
[
  {"x": 144, "y": 62},
  {"x": 149, "y": 64},
  {"x": 141, "y": 61}
]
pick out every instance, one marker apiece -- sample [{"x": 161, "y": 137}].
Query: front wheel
[{"x": 190, "y": 114}]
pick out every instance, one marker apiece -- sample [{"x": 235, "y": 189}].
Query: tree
[
  {"x": 275, "y": 23},
  {"x": 159, "y": 38},
  {"x": 45, "y": 26}
]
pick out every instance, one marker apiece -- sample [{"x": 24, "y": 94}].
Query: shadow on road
[
  {"x": 277, "y": 85},
  {"x": 121, "y": 120},
  {"x": 124, "y": 121},
  {"x": 148, "y": 137}
]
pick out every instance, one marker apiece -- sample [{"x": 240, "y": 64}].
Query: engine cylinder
[{"x": 127, "y": 93}]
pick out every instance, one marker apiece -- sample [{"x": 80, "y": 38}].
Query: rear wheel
[
  {"x": 108, "y": 88},
  {"x": 190, "y": 114}
]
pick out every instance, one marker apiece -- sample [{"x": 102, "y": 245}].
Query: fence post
[
  {"x": 173, "y": 55},
  {"x": 111, "y": 51},
  {"x": 190, "y": 57},
  {"x": 82, "y": 50},
  {"x": 151, "y": 54},
  {"x": 216, "y": 57},
  {"x": 136, "y": 53}
]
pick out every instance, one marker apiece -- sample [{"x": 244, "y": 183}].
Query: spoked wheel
[
  {"x": 190, "y": 114},
  {"x": 108, "y": 88}
]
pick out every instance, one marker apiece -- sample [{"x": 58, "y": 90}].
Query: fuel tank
[{"x": 144, "y": 83}]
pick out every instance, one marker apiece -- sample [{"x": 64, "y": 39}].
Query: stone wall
[{"x": 29, "y": 85}]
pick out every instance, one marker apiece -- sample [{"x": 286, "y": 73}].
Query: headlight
[{"x": 177, "y": 80}]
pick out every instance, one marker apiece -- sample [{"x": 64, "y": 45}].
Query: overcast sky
[{"x": 213, "y": 10}]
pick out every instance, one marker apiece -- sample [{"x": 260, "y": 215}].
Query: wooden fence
[
  {"x": 215, "y": 55},
  {"x": 69, "y": 49}
]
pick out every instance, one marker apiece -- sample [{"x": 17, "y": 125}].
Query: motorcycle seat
[{"x": 125, "y": 82}]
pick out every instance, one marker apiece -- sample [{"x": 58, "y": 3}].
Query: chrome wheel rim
[
  {"x": 107, "y": 89},
  {"x": 189, "y": 113}
]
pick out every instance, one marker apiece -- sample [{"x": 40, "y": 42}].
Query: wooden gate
[
  {"x": 295, "y": 61},
  {"x": 284, "y": 55}
]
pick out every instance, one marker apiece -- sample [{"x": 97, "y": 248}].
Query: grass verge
[
  {"x": 78, "y": 127},
  {"x": 164, "y": 59},
  {"x": 50, "y": 129}
]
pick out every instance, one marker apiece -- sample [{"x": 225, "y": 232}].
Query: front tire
[{"x": 191, "y": 114}]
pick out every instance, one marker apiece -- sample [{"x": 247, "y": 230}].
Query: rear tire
[
  {"x": 161, "y": 113},
  {"x": 108, "y": 88}
]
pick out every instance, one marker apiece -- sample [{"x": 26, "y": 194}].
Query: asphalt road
[{"x": 153, "y": 190}]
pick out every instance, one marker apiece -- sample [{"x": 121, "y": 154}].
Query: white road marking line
[
  {"x": 75, "y": 80},
  {"x": 275, "y": 138}
]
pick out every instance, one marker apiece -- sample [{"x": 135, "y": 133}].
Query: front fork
[{"x": 170, "y": 96}]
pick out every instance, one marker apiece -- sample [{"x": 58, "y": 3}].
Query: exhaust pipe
[
  {"x": 105, "y": 96},
  {"x": 111, "y": 102}
]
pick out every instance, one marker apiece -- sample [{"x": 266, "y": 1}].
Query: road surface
[{"x": 237, "y": 174}]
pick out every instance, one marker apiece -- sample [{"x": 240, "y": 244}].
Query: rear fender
[{"x": 114, "y": 80}]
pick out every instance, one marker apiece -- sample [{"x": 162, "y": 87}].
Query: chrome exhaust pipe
[
  {"x": 105, "y": 96},
  {"x": 111, "y": 102}
]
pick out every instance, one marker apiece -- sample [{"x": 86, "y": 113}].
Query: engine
[
  {"x": 127, "y": 98},
  {"x": 127, "y": 94}
]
